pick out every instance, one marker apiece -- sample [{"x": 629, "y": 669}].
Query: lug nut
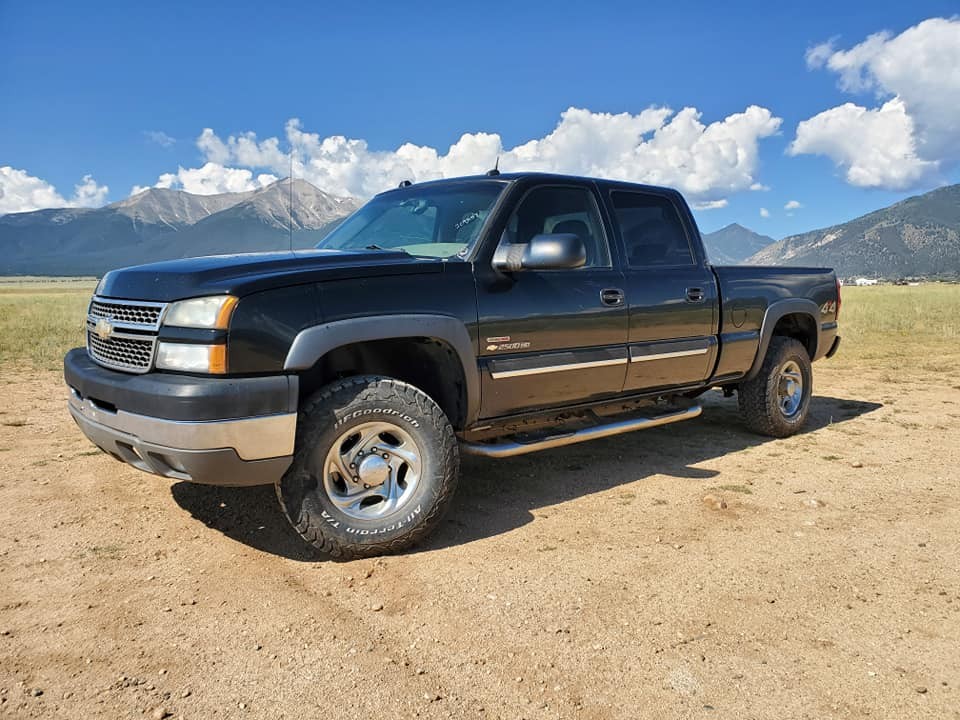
[
  {"x": 386, "y": 456},
  {"x": 356, "y": 478}
]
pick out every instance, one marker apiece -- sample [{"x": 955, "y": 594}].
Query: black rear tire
[
  {"x": 766, "y": 405},
  {"x": 317, "y": 501}
]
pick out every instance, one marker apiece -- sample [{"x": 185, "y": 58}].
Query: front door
[
  {"x": 671, "y": 292},
  {"x": 558, "y": 336}
]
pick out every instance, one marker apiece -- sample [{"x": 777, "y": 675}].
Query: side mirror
[{"x": 553, "y": 251}]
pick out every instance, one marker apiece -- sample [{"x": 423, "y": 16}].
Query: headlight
[
  {"x": 209, "y": 312},
  {"x": 192, "y": 358}
]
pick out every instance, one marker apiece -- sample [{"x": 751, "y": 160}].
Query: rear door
[
  {"x": 558, "y": 336},
  {"x": 670, "y": 290}
]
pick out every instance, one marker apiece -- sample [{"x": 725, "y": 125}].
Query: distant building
[{"x": 866, "y": 281}]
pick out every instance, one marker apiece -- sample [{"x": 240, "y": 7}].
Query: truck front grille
[
  {"x": 122, "y": 334},
  {"x": 121, "y": 351},
  {"x": 129, "y": 314}
]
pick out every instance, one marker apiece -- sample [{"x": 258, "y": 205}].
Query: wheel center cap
[{"x": 373, "y": 470}]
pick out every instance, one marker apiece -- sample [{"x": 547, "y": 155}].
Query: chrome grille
[
  {"x": 129, "y": 314},
  {"x": 132, "y": 353},
  {"x": 128, "y": 351}
]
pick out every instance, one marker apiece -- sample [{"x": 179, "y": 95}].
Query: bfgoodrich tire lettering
[
  {"x": 319, "y": 504},
  {"x": 765, "y": 403}
]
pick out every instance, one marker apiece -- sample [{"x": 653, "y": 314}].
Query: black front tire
[
  {"x": 325, "y": 419},
  {"x": 761, "y": 398}
]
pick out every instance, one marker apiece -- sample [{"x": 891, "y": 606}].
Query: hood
[{"x": 252, "y": 272}]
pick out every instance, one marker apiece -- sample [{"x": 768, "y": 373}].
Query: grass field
[
  {"x": 40, "y": 320},
  {"x": 881, "y": 326},
  {"x": 896, "y": 327}
]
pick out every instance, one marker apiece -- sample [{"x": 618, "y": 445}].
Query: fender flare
[
  {"x": 313, "y": 343},
  {"x": 774, "y": 312}
]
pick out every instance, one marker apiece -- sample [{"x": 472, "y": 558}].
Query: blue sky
[{"x": 89, "y": 88}]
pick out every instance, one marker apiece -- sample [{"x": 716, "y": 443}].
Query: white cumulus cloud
[
  {"x": 710, "y": 204},
  {"x": 708, "y": 161},
  {"x": 88, "y": 194},
  {"x": 22, "y": 192},
  {"x": 792, "y": 205},
  {"x": 211, "y": 179},
  {"x": 876, "y": 147},
  {"x": 911, "y": 136},
  {"x": 764, "y": 213}
]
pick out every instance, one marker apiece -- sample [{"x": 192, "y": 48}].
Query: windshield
[{"x": 435, "y": 221}]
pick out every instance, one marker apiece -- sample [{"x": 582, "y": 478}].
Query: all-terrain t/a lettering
[{"x": 380, "y": 411}]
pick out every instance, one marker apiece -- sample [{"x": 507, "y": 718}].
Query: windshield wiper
[{"x": 374, "y": 246}]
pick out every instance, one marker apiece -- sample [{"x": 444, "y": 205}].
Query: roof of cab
[{"x": 506, "y": 177}]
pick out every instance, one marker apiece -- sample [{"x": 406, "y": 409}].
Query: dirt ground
[{"x": 603, "y": 580}]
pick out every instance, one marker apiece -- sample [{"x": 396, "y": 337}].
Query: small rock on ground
[{"x": 714, "y": 501}]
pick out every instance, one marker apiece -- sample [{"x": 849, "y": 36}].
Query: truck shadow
[{"x": 496, "y": 496}]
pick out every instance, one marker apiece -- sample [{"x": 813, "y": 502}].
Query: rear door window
[{"x": 652, "y": 231}]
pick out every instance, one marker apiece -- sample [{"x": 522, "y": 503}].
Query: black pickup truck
[{"x": 494, "y": 315}]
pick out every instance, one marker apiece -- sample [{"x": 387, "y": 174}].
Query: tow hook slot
[{"x": 102, "y": 406}]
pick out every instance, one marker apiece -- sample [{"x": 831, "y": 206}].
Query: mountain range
[
  {"x": 162, "y": 224},
  {"x": 734, "y": 244},
  {"x": 919, "y": 236}
]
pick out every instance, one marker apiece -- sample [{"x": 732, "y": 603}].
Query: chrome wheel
[
  {"x": 790, "y": 389},
  {"x": 372, "y": 470}
]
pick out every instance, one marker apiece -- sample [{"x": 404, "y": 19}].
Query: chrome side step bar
[{"x": 510, "y": 448}]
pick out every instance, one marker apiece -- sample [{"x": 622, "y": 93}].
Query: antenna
[
  {"x": 496, "y": 169},
  {"x": 290, "y": 224}
]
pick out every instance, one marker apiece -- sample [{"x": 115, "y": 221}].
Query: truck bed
[{"x": 747, "y": 291}]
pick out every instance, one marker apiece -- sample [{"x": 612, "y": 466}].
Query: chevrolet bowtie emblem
[{"x": 103, "y": 329}]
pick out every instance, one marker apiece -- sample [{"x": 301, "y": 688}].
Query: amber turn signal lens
[
  {"x": 218, "y": 359},
  {"x": 226, "y": 310}
]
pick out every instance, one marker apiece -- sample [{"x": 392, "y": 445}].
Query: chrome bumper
[
  {"x": 253, "y": 438},
  {"x": 245, "y": 451}
]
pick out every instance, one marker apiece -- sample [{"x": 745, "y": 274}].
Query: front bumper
[{"x": 220, "y": 431}]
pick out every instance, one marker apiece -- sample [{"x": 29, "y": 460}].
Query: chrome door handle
[
  {"x": 612, "y": 297},
  {"x": 695, "y": 294}
]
